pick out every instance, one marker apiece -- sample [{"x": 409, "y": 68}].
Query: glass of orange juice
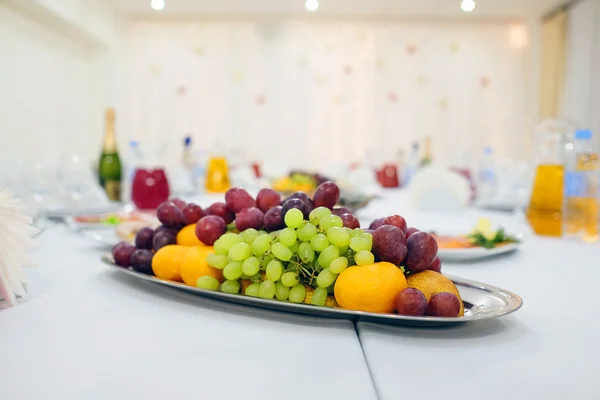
[{"x": 217, "y": 175}]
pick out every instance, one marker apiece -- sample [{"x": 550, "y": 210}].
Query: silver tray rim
[{"x": 513, "y": 302}]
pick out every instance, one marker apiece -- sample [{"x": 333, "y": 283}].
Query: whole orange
[
  {"x": 370, "y": 288},
  {"x": 194, "y": 265},
  {"x": 187, "y": 236},
  {"x": 431, "y": 282},
  {"x": 166, "y": 263}
]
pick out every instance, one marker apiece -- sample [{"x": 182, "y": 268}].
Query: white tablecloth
[{"x": 87, "y": 333}]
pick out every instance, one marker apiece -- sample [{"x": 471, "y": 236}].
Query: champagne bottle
[{"x": 109, "y": 168}]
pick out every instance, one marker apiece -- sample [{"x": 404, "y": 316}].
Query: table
[
  {"x": 547, "y": 350},
  {"x": 86, "y": 332}
]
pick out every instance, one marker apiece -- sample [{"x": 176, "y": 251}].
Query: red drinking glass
[{"x": 150, "y": 188}]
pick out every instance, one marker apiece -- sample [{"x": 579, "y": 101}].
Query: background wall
[
  {"x": 55, "y": 81},
  {"x": 301, "y": 92}
]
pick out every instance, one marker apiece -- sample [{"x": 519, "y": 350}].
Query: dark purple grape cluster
[
  {"x": 413, "y": 302},
  {"x": 267, "y": 211},
  {"x": 395, "y": 242}
]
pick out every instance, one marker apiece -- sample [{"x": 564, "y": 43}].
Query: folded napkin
[
  {"x": 15, "y": 239},
  {"x": 435, "y": 188}
]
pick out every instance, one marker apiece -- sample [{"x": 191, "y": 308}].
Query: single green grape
[
  {"x": 306, "y": 232},
  {"x": 266, "y": 260},
  {"x": 338, "y": 237},
  {"x": 329, "y": 221},
  {"x": 306, "y": 253},
  {"x": 294, "y": 248},
  {"x": 252, "y": 289},
  {"x": 338, "y": 265},
  {"x": 327, "y": 256},
  {"x": 274, "y": 270},
  {"x": 210, "y": 259},
  {"x": 319, "y": 296},
  {"x": 220, "y": 247},
  {"x": 290, "y": 279},
  {"x": 220, "y": 261},
  {"x": 357, "y": 232},
  {"x": 256, "y": 278},
  {"x": 288, "y": 236},
  {"x": 315, "y": 215},
  {"x": 207, "y": 282},
  {"x": 359, "y": 243},
  {"x": 364, "y": 257},
  {"x": 244, "y": 276},
  {"x": 230, "y": 239},
  {"x": 326, "y": 278},
  {"x": 261, "y": 244},
  {"x": 233, "y": 270},
  {"x": 240, "y": 251},
  {"x": 232, "y": 287},
  {"x": 261, "y": 232},
  {"x": 343, "y": 250},
  {"x": 348, "y": 231},
  {"x": 319, "y": 242},
  {"x": 281, "y": 291},
  {"x": 368, "y": 237},
  {"x": 249, "y": 235},
  {"x": 251, "y": 266},
  {"x": 267, "y": 290},
  {"x": 293, "y": 218},
  {"x": 297, "y": 293},
  {"x": 280, "y": 251}
]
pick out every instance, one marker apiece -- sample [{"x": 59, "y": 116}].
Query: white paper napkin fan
[{"x": 15, "y": 240}]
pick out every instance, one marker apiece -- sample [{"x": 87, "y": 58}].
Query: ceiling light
[
  {"x": 312, "y": 5},
  {"x": 467, "y": 5},
  {"x": 157, "y": 4}
]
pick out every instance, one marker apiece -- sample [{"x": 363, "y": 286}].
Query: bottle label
[
  {"x": 113, "y": 190},
  {"x": 579, "y": 184}
]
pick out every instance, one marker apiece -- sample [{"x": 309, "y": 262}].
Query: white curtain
[{"x": 311, "y": 93}]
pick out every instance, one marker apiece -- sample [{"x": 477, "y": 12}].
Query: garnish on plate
[{"x": 485, "y": 236}]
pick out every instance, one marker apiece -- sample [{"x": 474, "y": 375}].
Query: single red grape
[
  {"x": 389, "y": 244},
  {"x": 443, "y": 304},
  {"x": 292, "y": 203},
  {"x": 396, "y": 220},
  {"x": 340, "y": 210},
  {"x": 178, "y": 202},
  {"x": 267, "y": 199},
  {"x": 122, "y": 252},
  {"x": 273, "y": 219},
  {"x": 411, "y": 301},
  {"x": 237, "y": 199},
  {"x": 410, "y": 231},
  {"x": 143, "y": 239},
  {"x": 436, "y": 265},
  {"x": 220, "y": 210},
  {"x": 210, "y": 228},
  {"x": 350, "y": 221},
  {"x": 169, "y": 215},
  {"x": 376, "y": 223},
  {"x": 163, "y": 238},
  {"x": 422, "y": 249},
  {"x": 192, "y": 213},
  {"x": 326, "y": 195},
  {"x": 249, "y": 218},
  {"x": 141, "y": 261}
]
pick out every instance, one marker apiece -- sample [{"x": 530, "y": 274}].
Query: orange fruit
[
  {"x": 194, "y": 265},
  {"x": 187, "y": 236},
  {"x": 166, "y": 263},
  {"x": 370, "y": 288},
  {"x": 431, "y": 282}
]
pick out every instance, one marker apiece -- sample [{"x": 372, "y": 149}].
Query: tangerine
[
  {"x": 370, "y": 288},
  {"x": 187, "y": 236},
  {"x": 166, "y": 263},
  {"x": 194, "y": 265}
]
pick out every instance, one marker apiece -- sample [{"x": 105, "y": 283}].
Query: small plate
[
  {"x": 86, "y": 221},
  {"x": 481, "y": 302},
  {"x": 106, "y": 236},
  {"x": 475, "y": 253}
]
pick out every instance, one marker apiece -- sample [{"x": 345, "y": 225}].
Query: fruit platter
[
  {"x": 481, "y": 242},
  {"x": 305, "y": 255}
]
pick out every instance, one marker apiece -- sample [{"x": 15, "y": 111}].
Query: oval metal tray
[{"x": 481, "y": 302}]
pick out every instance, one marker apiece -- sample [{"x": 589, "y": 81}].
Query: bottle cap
[
  {"x": 488, "y": 149},
  {"x": 187, "y": 141},
  {"x": 133, "y": 143},
  {"x": 583, "y": 134}
]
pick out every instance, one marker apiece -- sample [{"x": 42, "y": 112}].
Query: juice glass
[
  {"x": 150, "y": 188},
  {"x": 217, "y": 175}
]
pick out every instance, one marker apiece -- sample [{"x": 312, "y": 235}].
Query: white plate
[
  {"x": 106, "y": 236},
  {"x": 475, "y": 253},
  {"x": 68, "y": 212}
]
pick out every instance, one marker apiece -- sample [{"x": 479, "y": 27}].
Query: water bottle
[
  {"x": 486, "y": 177},
  {"x": 412, "y": 165},
  {"x": 580, "y": 219}
]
